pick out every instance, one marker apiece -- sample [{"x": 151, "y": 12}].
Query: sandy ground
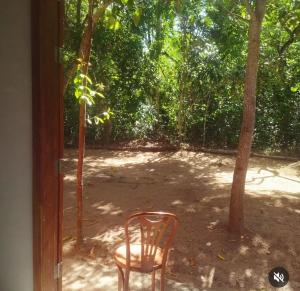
[{"x": 194, "y": 186}]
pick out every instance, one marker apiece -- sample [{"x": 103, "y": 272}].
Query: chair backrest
[{"x": 157, "y": 230}]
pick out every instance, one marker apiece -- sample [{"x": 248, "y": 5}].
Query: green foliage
[
  {"x": 176, "y": 68},
  {"x": 145, "y": 119},
  {"x": 111, "y": 21},
  {"x": 87, "y": 92},
  {"x": 137, "y": 16},
  {"x": 83, "y": 90}
]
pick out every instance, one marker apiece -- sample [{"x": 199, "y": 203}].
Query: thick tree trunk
[
  {"x": 86, "y": 51},
  {"x": 236, "y": 215}
]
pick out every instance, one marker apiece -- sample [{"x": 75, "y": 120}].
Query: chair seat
[{"x": 135, "y": 259}]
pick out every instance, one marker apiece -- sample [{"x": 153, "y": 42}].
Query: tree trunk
[
  {"x": 236, "y": 213},
  {"x": 78, "y": 13},
  {"x": 87, "y": 35},
  {"x": 183, "y": 82},
  {"x": 86, "y": 51},
  {"x": 79, "y": 190},
  {"x": 107, "y": 131},
  {"x": 204, "y": 122}
]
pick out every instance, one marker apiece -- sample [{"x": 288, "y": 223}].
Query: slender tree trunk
[
  {"x": 78, "y": 13},
  {"x": 85, "y": 55},
  {"x": 79, "y": 190},
  {"x": 183, "y": 85},
  {"x": 87, "y": 35},
  {"x": 181, "y": 112},
  {"x": 236, "y": 215},
  {"x": 107, "y": 131},
  {"x": 204, "y": 122}
]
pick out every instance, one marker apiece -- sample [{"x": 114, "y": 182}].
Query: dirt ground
[{"x": 194, "y": 186}]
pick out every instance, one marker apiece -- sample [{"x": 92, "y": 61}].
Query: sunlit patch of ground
[
  {"x": 196, "y": 187},
  {"x": 263, "y": 180}
]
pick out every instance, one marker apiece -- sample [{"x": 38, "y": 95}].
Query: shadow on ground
[{"x": 196, "y": 187}]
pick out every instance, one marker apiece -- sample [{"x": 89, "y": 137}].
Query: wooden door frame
[{"x": 47, "y": 119}]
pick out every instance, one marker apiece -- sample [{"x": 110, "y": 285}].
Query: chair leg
[
  {"x": 153, "y": 281},
  {"x": 126, "y": 280},
  {"x": 162, "y": 279},
  {"x": 120, "y": 279}
]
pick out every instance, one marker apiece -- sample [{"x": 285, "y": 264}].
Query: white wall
[{"x": 16, "y": 272}]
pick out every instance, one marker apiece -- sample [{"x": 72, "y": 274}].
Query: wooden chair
[{"x": 157, "y": 230}]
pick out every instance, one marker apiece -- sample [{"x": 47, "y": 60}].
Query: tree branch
[
  {"x": 170, "y": 57},
  {"x": 100, "y": 11},
  {"x": 248, "y": 7},
  {"x": 236, "y": 16},
  {"x": 293, "y": 35}
]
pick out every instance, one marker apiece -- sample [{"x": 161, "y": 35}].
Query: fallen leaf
[
  {"x": 192, "y": 262},
  {"x": 66, "y": 238},
  {"x": 92, "y": 252},
  {"x": 221, "y": 257},
  {"x": 173, "y": 275}
]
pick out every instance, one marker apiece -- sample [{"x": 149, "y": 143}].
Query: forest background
[{"x": 174, "y": 71}]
